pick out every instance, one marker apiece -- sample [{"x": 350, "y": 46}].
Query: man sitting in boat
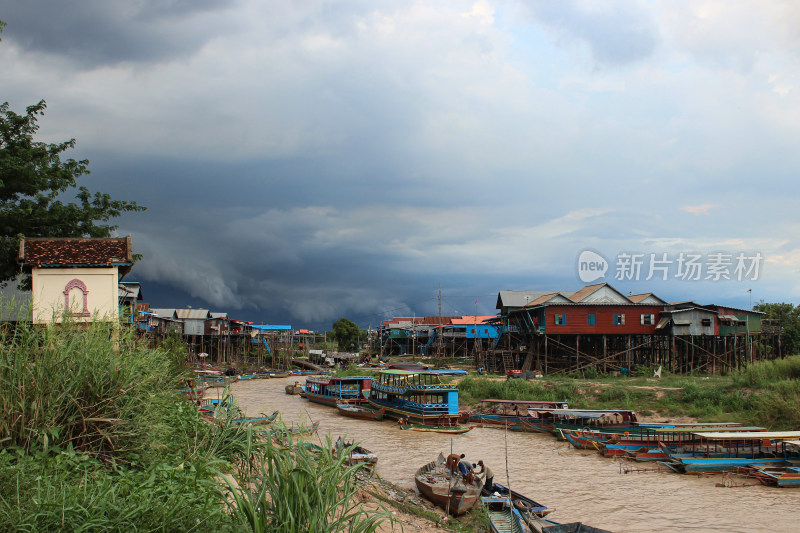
[{"x": 488, "y": 476}]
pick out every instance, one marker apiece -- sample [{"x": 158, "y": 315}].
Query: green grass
[{"x": 94, "y": 437}]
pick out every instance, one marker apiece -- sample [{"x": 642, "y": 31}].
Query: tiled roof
[{"x": 46, "y": 252}]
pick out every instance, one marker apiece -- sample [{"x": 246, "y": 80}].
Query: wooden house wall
[
  {"x": 752, "y": 321},
  {"x": 577, "y": 319}
]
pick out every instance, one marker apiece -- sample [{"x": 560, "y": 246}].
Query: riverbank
[{"x": 765, "y": 393}]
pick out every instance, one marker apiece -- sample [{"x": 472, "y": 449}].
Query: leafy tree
[
  {"x": 346, "y": 333},
  {"x": 787, "y": 318},
  {"x": 34, "y": 181}
]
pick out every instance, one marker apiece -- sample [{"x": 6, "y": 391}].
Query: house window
[
  {"x": 647, "y": 320},
  {"x": 561, "y": 320},
  {"x": 591, "y": 319},
  {"x": 619, "y": 320},
  {"x": 705, "y": 321}
]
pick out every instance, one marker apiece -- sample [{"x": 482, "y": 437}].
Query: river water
[{"x": 581, "y": 485}]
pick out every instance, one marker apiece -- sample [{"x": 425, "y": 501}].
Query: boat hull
[
  {"x": 450, "y": 492},
  {"x": 453, "y": 430},
  {"x": 359, "y": 411}
]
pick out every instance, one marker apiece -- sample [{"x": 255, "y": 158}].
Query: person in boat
[
  {"x": 452, "y": 462},
  {"x": 488, "y": 475},
  {"x": 464, "y": 466}
]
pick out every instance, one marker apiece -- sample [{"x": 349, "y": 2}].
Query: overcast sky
[{"x": 307, "y": 160}]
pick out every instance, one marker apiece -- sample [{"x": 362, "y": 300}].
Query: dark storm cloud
[
  {"x": 303, "y": 161},
  {"x": 102, "y": 32}
]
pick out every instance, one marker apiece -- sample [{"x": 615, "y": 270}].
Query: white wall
[{"x": 49, "y": 284}]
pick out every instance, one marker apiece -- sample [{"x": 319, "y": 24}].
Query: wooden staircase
[{"x": 508, "y": 362}]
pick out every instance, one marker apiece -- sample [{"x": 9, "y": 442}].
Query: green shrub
[{"x": 303, "y": 488}]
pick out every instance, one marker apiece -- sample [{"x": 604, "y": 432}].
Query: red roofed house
[{"x": 75, "y": 276}]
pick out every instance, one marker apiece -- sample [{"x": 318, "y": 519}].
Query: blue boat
[
  {"x": 521, "y": 503},
  {"x": 783, "y": 475},
  {"x": 738, "y": 450},
  {"x": 417, "y": 397},
  {"x": 503, "y": 518},
  {"x": 511, "y": 414},
  {"x": 330, "y": 391}
]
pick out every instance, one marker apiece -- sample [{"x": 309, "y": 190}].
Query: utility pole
[{"x": 440, "y": 300}]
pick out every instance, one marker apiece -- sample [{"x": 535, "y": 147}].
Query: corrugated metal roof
[
  {"x": 751, "y": 435},
  {"x": 637, "y": 298},
  {"x": 520, "y": 298},
  {"x": 192, "y": 314},
  {"x": 219, "y": 315},
  {"x": 469, "y": 320},
  {"x": 699, "y": 429},
  {"x": 129, "y": 291},
  {"x": 746, "y": 311},
  {"x": 165, "y": 312},
  {"x": 580, "y": 294}
]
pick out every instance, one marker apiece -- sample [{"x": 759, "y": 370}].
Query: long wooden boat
[
  {"x": 219, "y": 381},
  {"x": 296, "y": 388},
  {"x": 278, "y": 374},
  {"x": 193, "y": 391},
  {"x": 453, "y": 430},
  {"x": 545, "y": 525},
  {"x": 611, "y": 443},
  {"x": 759, "y": 448},
  {"x": 257, "y": 420},
  {"x": 330, "y": 391},
  {"x": 416, "y": 397},
  {"x": 678, "y": 439},
  {"x": 359, "y": 411},
  {"x": 783, "y": 475},
  {"x": 623, "y": 419},
  {"x": 510, "y": 414},
  {"x": 355, "y": 454},
  {"x": 523, "y": 503},
  {"x": 450, "y": 492},
  {"x": 503, "y": 518}
]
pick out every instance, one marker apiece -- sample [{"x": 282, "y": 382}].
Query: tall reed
[{"x": 302, "y": 488}]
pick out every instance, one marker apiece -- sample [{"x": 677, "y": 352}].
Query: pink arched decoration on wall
[{"x": 76, "y": 283}]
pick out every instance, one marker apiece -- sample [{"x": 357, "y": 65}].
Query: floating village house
[
  {"x": 594, "y": 327},
  {"x": 75, "y": 278},
  {"x": 453, "y": 336},
  {"x": 598, "y": 326}
]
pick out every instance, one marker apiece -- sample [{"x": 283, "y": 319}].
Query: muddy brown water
[{"x": 580, "y": 485}]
